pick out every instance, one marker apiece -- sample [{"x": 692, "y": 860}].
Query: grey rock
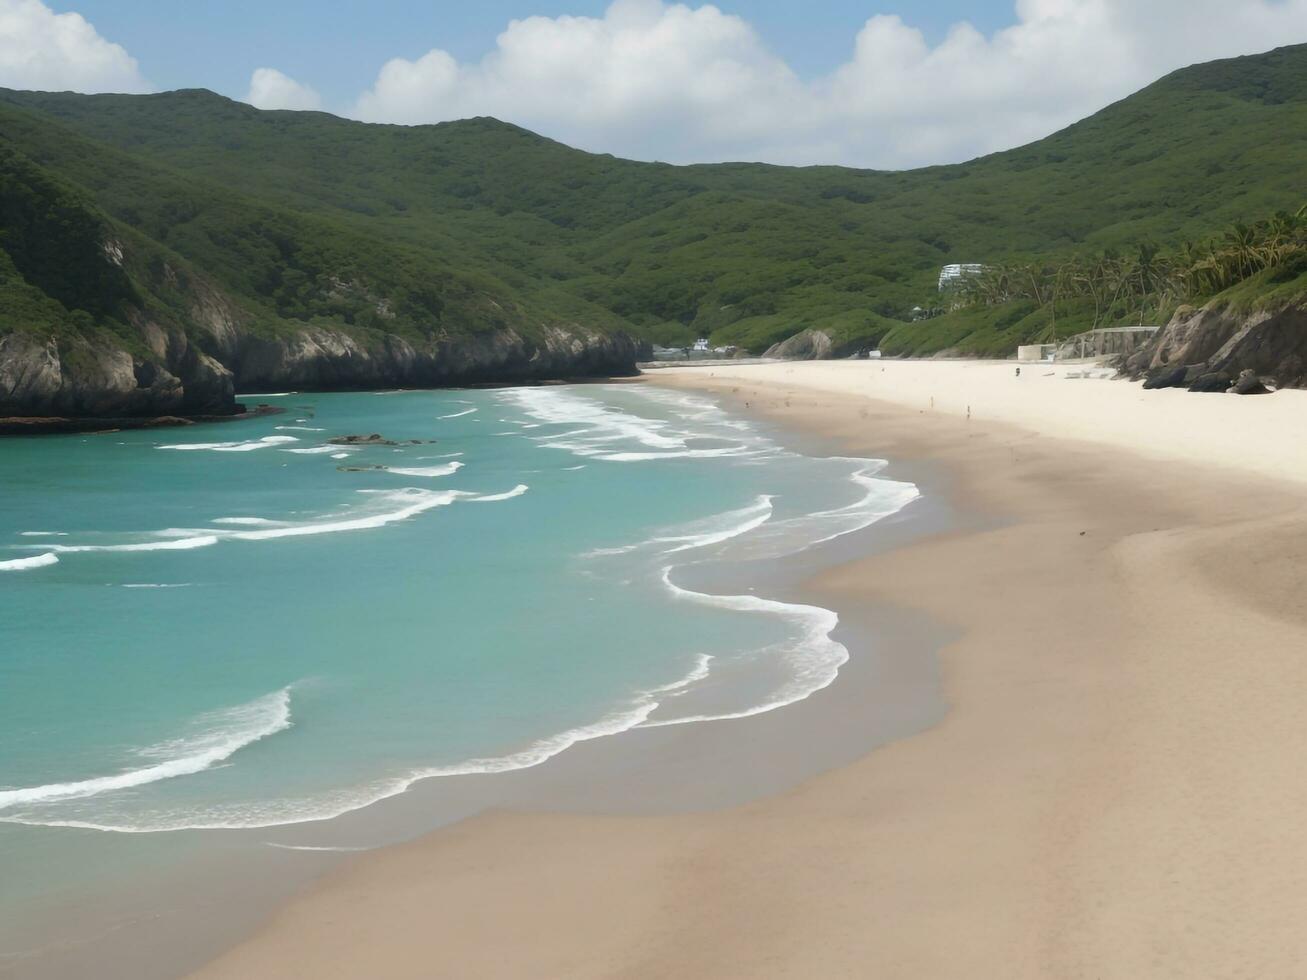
[
  {"x": 1168, "y": 378},
  {"x": 807, "y": 345},
  {"x": 177, "y": 374},
  {"x": 1217, "y": 342},
  {"x": 1249, "y": 384},
  {"x": 375, "y": 439},
  {"x": 1212, "y": 381}
]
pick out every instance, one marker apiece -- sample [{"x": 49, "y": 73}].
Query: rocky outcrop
[
  {"x": 1218, "y": 349},
  {"x": 84, "y": 378},
  {"x": 323, "y": 359},
  {"x": 173, "y": 374},
  {"x": 807, "y": 345},
  {"x": 80, "y": 377},
  {"x": 1248, "y": 383}
]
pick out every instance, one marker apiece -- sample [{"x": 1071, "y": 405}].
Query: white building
[{"x": 951, "y": 276}]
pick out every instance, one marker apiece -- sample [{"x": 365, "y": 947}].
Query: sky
[{"x": 870, "y": 83}]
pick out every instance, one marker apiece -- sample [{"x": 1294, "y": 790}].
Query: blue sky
[{"x": 337, "y": 45}]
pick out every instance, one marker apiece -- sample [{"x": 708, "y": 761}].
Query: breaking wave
[
  {"x": 266, "y": 442},
  {"x": 222, "y": 735},
  {"x": 23, "y": 564}
]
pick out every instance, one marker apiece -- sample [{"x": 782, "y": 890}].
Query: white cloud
[
  {"x": 270, "y": 89},
  {"x": 42, "y": 50},
  {"x": 656, "y": 80}
]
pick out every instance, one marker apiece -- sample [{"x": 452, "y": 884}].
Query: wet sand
[{"x": 1114, "y": 790}]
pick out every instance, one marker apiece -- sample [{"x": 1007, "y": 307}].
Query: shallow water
[{"x": 246, "y": 626}]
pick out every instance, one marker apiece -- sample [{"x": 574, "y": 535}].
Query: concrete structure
[
  {"x": 1036, "y": 352},
  {"x": 951, "y": 276},
  {"x": 1105, "y": 342}
]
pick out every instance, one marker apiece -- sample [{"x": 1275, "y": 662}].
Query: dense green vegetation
[
  {"x": 1004, "y": 304},
  {"x": 439, "y": 230}
]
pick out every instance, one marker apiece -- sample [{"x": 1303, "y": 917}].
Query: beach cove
[
  {"x": 143, "y": 835},
  {"x": 1114, "y": 790}
]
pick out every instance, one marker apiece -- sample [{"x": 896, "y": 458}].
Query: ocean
[{"x": 246, "y": 625}]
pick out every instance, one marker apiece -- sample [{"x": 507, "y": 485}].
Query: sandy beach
[{"x": 1115, "y": 791}]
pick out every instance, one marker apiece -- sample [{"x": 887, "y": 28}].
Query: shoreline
[
  {"x": 1063, "y": 819},
  {"x": 52, "y": 425},
  {"x": 671, "y": 769}
]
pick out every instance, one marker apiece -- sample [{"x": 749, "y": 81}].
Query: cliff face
[
  {"x": 818, "y": 345},
  {"x": 320, "y": 358},
  {"x": 82, "y": 378},
  {"x": 808, "y": 345},
  {"x": 170, "y": 306},
  {"x": 1208, "y": 349}
]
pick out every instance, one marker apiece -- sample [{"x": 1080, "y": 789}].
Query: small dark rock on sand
[
  {"x": 1212, "y": 382},
  {"x": 1249, "y": 384},
  {"x": 1174, "y": 378}
]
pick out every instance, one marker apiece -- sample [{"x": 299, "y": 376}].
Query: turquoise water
[{"x": 242, "y": 625}]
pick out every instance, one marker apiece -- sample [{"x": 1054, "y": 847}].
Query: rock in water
[{"x": 375, "y": 439}]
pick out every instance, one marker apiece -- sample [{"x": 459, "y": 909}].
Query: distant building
[
  {"x": 951, "y": 276},
  {"x": 701, "y": 344}
]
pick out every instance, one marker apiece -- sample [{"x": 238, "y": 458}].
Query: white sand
[
  {"x": 1116, "y": 793},
  {"x": 1266, "y": 434}
]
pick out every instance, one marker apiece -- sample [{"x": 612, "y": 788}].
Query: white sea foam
[
  {"x": 315, "y": 451},
  {"x": 156, "y": 585},
  {"x": 222, "y": 735},
  {"x": 805, "y": 661},
  {"x": 812, "y": 658},
  {"x": 700, "y": 534},
  {"x": 881, "y": 498},
  {"x": 275, "y": 394},
  {"x": 445, "y": 469},
  {"x": 340, "y": 455},
  {"x": 23, "y": 564},
  {"x": 323, "y": 847},
  {"x": 738, "y": 450},
  {"x": 43, "y": 534},
  {"x": 385, "y": 507},
  {"x": 298, "y": 428},
  {"x": 611, "y": 434},
  {"x": 699, "y": 672},
  {"x": 284, "y": 812},
  {"x": 411, "y": 503},
  {"x": 233, "y": 447},
  {"x": 490, "y": 498},
  {"x": 599, "y": 422},
  {"x": 458, "y": 415},
  {"x": 173, "y": 544}
]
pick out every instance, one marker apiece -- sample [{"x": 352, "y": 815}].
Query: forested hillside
[{"x": 315, "y": 250}]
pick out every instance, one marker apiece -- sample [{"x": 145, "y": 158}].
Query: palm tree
[{"x": 1243, "y": 241}]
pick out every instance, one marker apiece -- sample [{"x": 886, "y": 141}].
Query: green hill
[{"x": 472, "y": 231}]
